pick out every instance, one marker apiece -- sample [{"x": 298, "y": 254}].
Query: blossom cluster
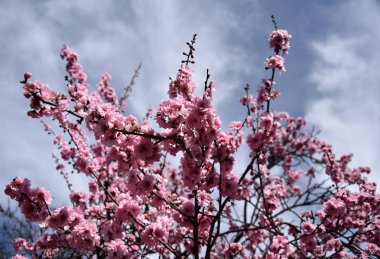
[{"x": 291, "y": 200}]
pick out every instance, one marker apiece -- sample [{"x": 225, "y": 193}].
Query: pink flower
[
  {"x": 230, "y": 185},
  {"x": 255, "y": 140},
  {"x": 244, "y": 100},
  {"x": 334, "y": 207},
  {"x": 117, "y": 249},
  {"x": 195, "y": 119},
  {"x": 42, "y": 196},
  {"x": 93, "y": 186},
  {"x": 268, "y": 83},
  {"x": 74, "y": 69},
  {"x": 76, "y": 217},
  {"x": 188, "y": 208},
  {"x": 84, "y": 236},
  {"x": 319, "y": 251},
  {"x": 333, "y": 244},
  {"x": 60, "y": 217},
  {"x": 154, "y": 233},
  {"x": 106, "y": 90},
  {"x": 233, "y": 250},
  {"x": 235, "y": 125},
  {"x": 275, "y": 62},
  {"x": 266, "y": 122},
  {"x": 17, "y": 187},
  {"x": 307, "y": 227},
  {"x": 27, "y": 75},
  {"x": 147, "y": 151},
  {"x": 279, "y": 40},
  {"x": 19, "y": 244},
  {"x": 183, "y": 85},
  {"x": 33, "y": 211},
  {"x": 127, "y": 209},
  {"x": 146, "y": 185},
  {"x": 278, "y": 242},
  {"x": 373, "y": 249},
  {"x": 79, "y": 198},
  {"x": 293, "y": 175},
  {"x": 111, "y": 230},
  {"x": 204, "y": 198}
]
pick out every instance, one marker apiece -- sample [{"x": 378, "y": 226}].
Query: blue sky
[{"x": 332, "y": 73}]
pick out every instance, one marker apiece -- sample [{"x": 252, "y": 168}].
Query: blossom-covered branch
[{"x": 294, "y": 199}]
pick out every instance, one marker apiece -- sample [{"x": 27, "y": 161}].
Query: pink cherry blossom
[
  {"x": 275, "y": 62},
  {"x": 177, "y": 183},
  {"x": 279, "y": 40}
]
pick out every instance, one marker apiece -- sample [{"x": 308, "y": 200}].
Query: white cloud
[{"x": 345, "y": 72}]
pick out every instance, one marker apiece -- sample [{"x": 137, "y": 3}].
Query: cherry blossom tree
[{"x": 294, "y": 199}]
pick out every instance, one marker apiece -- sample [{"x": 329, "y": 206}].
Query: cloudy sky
[{"x": 332, "y": 73}]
